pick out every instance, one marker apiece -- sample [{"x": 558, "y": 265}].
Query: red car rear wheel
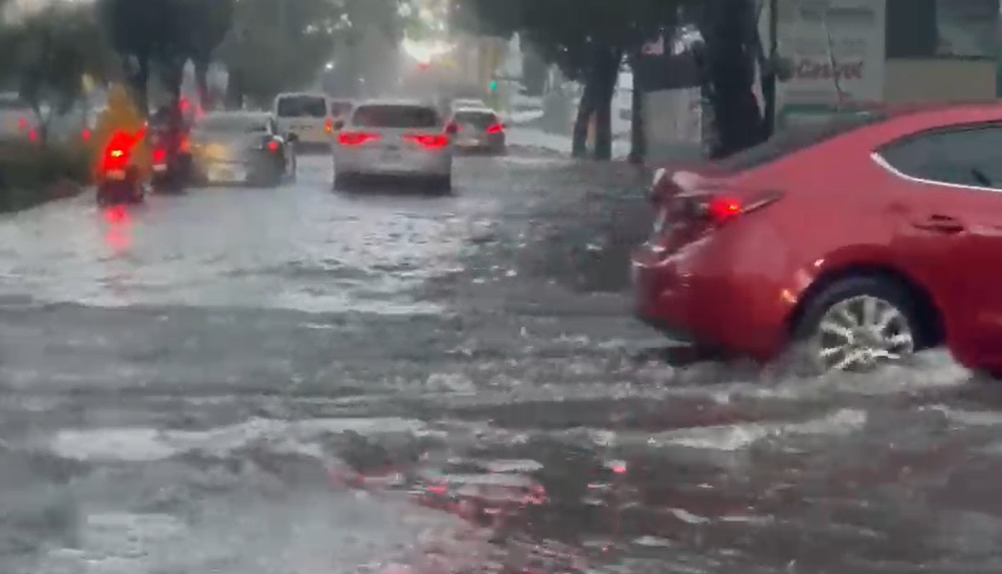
[{"x": 858, "y": 323}]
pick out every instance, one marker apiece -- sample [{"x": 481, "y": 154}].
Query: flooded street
[{"x": 297, "y": 381}]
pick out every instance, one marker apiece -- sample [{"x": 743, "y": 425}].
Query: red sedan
[{"x": 860, "y": 241}]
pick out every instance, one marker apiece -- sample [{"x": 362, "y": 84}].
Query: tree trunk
[
  {"x": 235, "y": 90},
  {"x": 202, "y": 80},
  {"x": 638, "y": 137},
  {"x": 608, "y": 73},
  {"x": 173, "y": 77},
  {"x": 142, "y": 85},
  {"x": 603, "y": 129},
  {"x": 579, "y": 137},
  {"x": 730, "y": 44}
]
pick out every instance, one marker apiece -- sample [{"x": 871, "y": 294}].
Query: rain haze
[{"x": 307, "y": 377}]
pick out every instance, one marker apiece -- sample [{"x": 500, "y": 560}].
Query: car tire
[
  {"x": 888, "y": 301},
  {"x": 439, "y": 185}
]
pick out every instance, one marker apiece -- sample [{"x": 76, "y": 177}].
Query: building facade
[{"x": 866, "y": 53}]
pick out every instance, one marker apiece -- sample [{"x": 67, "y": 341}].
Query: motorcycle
[
  {"x": 172, "y": 161},
  {"x": 118, "y": 179}
]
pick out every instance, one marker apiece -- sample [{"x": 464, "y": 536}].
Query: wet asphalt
[{"x": 298, "y": 381}]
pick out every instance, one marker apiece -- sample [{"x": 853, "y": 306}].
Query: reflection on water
[
  {"x": 118, "y": 233},
  {"x": 118, "y": 240}
]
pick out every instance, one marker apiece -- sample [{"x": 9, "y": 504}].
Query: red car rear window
[{"x": 795, "y": 139}]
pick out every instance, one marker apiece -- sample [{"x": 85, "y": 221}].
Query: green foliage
[
  {"x": 561, "y": 30},
  {"x": 276, "y": 44},
  {"x": 279, "y": 45},
  {"x": 51, "y": 52},
  {"x": 165, "y": 33},
  {"x": 30, "y": 175},
  {"x": 487, "y": 18}
]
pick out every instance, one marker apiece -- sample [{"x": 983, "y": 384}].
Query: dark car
[
  {"x": 862, "y": 240},
  {"x": 479, "y": 130},
  {"x": 241, "y": 148}
]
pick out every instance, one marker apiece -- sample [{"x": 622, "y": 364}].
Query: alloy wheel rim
[{"x": 860, "y": 333}]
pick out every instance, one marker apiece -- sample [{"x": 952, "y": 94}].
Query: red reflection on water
[{"x": 118, "y": 236}]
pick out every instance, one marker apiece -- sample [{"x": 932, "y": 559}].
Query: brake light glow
[
  {"x": 160, "y": 156},
  {"x": 496, "y": 129},
  {"x": 356, "y": 138},
  {"x": 116, "y": 160},
  {"x": 273, "y": 147},
  {"x": 430, "y": 141},
  {"x": 720, "y": 210}
]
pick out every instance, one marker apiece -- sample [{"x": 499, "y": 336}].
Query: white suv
[
  {"x": 401, "y": 139},
  {"x": 307, "y": 116}
]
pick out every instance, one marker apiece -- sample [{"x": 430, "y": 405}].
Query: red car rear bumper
[{"x": 726, "y": 293}]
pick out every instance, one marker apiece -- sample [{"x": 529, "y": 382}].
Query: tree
[
  {"x": 733, "y": 49},
  {"x": 263, "y": 58},
  {"x": 52, "y": 52},
  {"x": 275, "y": 45},
  {"x": 162, "y": 35},
  {"x": 213, "y": 19},
  {"x": 587, "y": 39}
]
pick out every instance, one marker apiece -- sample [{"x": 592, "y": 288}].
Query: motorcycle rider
[
  {"x": 119, "y": 122},
  {"x": 169, "y": 118},
  {"x": 172, "y": 137}
]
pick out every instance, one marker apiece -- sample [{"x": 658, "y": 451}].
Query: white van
[{"x": 307, "y": 115}]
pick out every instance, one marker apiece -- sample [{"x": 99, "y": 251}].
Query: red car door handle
[{"x": 940, "y": 224}]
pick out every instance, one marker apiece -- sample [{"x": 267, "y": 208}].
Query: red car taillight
[
  {"x": 273, "y": 146},
  {"x": 716, "y": 209},
  {"x": 430, "y": 141},
  {"x": 160, "y": 156},
  {"x": 356, "y": 138},
  {"x": 496, "y": 129},
  {"x": 685, "y": 218},
  {"x": 722, "y": 210}
]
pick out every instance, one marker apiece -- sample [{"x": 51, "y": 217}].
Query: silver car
[
  {"x": 480, "y": 130},
  {"x": 240, "y": 148},
  {"x": 17, "y": 120},
  {"x": 401, "y": 139}
]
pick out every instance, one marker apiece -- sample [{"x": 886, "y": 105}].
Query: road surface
[{"x": 286, "y": 381}]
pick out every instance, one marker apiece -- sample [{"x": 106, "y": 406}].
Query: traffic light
[{"x": 493, "y": 86}]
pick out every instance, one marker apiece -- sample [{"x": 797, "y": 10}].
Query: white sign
[{"x": 837, "y": 50}]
